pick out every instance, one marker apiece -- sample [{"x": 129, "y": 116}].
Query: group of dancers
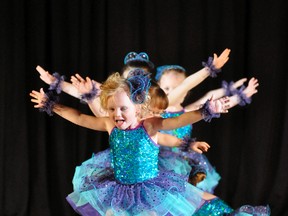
[{"x": 153, "y": 165}]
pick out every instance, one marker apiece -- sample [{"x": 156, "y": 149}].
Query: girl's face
[
  {"x": 122, "y": 111},
  {"x": 170, "y": 80}
]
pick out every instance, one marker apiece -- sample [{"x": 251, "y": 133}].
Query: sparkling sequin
[
  {"x": 178, "y": 132},
  {"x": 214, "y": 207},
  {"x": 125, "y": 145}
]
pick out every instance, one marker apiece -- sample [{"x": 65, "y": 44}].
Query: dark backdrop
[{"x": 39, "y": 153}]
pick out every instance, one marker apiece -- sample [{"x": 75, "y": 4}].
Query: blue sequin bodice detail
[
  {"x": 182, "y": 132},
  {"x": 134, "y": 155}
]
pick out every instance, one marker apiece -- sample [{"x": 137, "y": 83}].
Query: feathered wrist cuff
[
  {"x": 210, "y": 67},
  {"x": 185, "y": 144},
  {"x": 84, "y": 98},
  {"x": 49, "y": 103},
  {"x": 243, "y": 99},
  {"x": 207, "y": 113},
  {"x": 56, "y": 85},
  {"x": 228, "y": 87}
]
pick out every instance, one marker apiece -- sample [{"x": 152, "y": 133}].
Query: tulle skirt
[
  {"x": 97, "y": 192},
  {"x": 189, "y": 163}
]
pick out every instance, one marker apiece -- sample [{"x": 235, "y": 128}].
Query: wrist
[
  {"x": 49, "y": 104},
  {"x": 207, "y": 113},
  {"x": 90, "y": 96},
  {"x": 56, "y": 84},
  {"x": 210, "y": 67}
]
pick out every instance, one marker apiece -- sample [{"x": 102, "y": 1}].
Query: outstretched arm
[
  {"x": 210, "y": 109},
  {"x": 85, "y": 87},
  {"x": 245, "y": 96},
  {"x": 216, "y": 93},
  {"x": 50, "y": 79},
  {"x": 196, "y": 78},
  {"x": 70, "y": 114},
  {"x": 172, "y": 141}
]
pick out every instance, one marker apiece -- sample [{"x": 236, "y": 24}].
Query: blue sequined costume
[
  {"x": 126, "y": 180},
  {"x": 198, "y": 162}
]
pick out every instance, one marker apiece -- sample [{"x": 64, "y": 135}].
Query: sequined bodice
[
  {"x": 134, "y": 155},
  {"x": 182, "y": 132}
]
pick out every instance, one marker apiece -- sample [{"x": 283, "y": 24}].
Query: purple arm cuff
[
  {"x": 212, "y": 70},
  {"x": 56, "y": 85},
  {"x": 242, "y": 97},
  {"x": 207, "y": 113},
  {"x": 185, "y": 145},
  {"x": 228, "y": 87},
  {"x": 49, "y": 103},
  {"x": 90, "y": 95}
]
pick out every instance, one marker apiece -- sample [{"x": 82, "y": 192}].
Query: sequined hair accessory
[
  {"x": 56, "y": 85},
  {"x": 140, "y": 57},
  {"x": 48, "y": 104},
  {"x": 160, "y": 70},
  {"x": 210, "y": 67},
  {"x": 139, "y": 83}
]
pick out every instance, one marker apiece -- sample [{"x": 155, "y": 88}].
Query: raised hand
[
  {"x": 84, "y": 85},
  {"x": 218, "y": 62},
  {"x": 38, "y": 98},
  {"x": 251, "y": 89},
  {"x": 45, "y": 76},
  {"x": 199, "y": 147}
]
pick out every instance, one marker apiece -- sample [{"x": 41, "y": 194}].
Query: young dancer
[
  {"x": 127, "y": 180},
  {"x": 85, "y": 89}
]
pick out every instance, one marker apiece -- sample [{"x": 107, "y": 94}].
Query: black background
[{"x": 39, "y": 153}]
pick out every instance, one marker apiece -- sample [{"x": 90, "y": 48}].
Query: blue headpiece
[
  {"x": 161, "y": 69},
  {"x": 133, "y": 56},
  {"x": 139, "y": 84}
]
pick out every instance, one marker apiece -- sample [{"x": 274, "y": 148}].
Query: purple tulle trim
[
  {"x": 253, "y": 210},
  {"x": 186, "y": 142},
  {"x": 243, "y": 99},
  {"x": 207, "y": 113},
  {"x": 84, "y": 98},
  {"x": 228, "y": 87},
  {"x": 49, "y": 103},
  {"x": 56, "y": 85},
  {"x": 140, "y": 196},
  {"x": 139, "y": 84},
  {"x": 85, "y": 209},
  {"x": 212, "y": 70}
]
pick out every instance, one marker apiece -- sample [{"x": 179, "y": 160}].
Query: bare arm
[
  {"x": 65, "y": 86},
  {"x": 196, "y": 78},
  {"x": 72, "y": 115},
  {"x": 212, "y": 107},
  {"x": 172, "y": 141},
  {"x": 249, "y": 91},
  {"x": 216, "y": 93}
]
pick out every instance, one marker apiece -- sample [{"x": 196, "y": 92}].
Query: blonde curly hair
[{"x": 115, "y": 83}]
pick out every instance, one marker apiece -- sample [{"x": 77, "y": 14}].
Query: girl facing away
[{"x": 126, "y": 180}]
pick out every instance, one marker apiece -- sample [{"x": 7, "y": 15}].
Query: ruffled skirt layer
[{"x": 96, "y": 192}]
